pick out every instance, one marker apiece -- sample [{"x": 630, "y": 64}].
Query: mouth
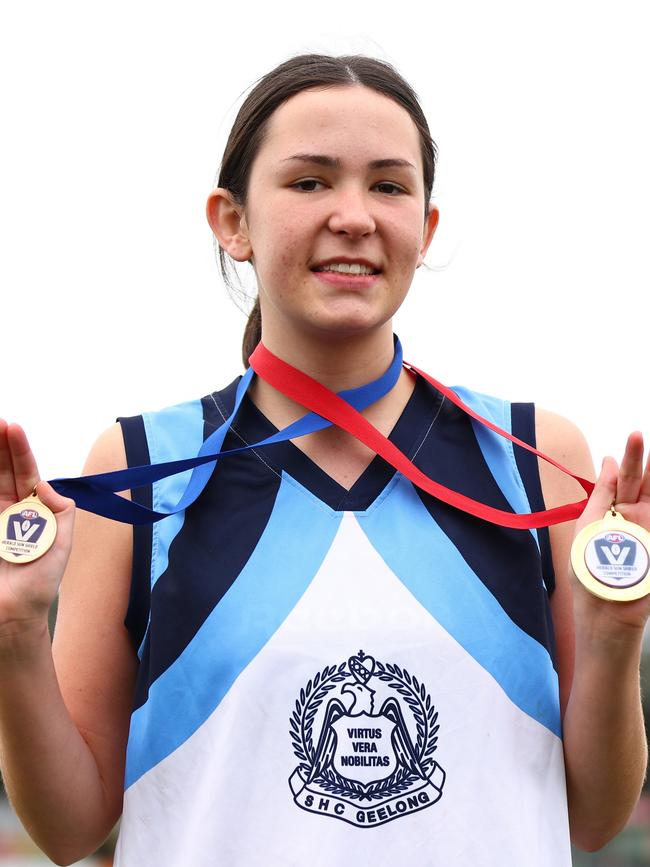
[
  {"x": 355, "y": 275},
  {"x": 357, "y": 268}
]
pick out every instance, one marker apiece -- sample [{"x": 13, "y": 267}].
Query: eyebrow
[{"x": 335, "y": 163}]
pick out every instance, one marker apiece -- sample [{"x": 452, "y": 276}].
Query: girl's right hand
[{"x": 27, "y": 590}]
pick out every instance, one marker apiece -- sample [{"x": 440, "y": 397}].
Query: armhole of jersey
[
  {"x": 137, "y": 454},
  {"x": 523, "y": 427}
]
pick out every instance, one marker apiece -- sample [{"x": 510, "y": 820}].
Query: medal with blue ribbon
[{"x": 28, "y": 528}]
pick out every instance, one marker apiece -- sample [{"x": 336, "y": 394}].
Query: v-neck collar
[{"x": 408, "y": 433}]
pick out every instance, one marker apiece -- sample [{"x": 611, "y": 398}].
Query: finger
[
  {"x": 603, "y": 494},
  {"x": 24, "y": 465},
  {"x": 644, "y": 493},
  {"x": 53, "y": 500},
  {"x": 7, "y": 485},
  {"x": 631, "y": 472}
]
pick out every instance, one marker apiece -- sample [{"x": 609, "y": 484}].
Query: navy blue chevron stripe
[
  {"x": 523, "y": 427},
  {"x": 206, "y": 556},
  {"x": 137, "y": 454},
  {"x": 507, "y": 561}
]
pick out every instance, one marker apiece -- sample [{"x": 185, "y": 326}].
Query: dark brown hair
[{"x": 305, "y": 72}]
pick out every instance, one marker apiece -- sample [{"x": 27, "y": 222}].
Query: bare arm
[
  {"x": 64, "y": 711},
  {"x": 599, "y": 645}
]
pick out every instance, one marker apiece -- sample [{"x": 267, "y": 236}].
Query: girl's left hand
[{"x": 629, "y": 488}]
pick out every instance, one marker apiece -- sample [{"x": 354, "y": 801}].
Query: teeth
[{"x": 346, "y": 268}]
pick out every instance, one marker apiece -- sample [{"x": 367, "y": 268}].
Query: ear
[
  {"x": 227, "y": 221},
  {"x": 430, "y": 226}
]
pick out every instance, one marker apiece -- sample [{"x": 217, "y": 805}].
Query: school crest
[{"x": 365, "y": 733}]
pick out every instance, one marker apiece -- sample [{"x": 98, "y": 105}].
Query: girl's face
[{"x": 336, "y": 182}]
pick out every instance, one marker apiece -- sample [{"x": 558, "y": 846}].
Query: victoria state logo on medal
[
  {"x": 365, "y": 733},
  {"x": 23, "y": 530},
  {"x": 616, "y": 558}
]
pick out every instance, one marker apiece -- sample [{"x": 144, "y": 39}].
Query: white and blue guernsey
[{"x": 332, "y": 677}]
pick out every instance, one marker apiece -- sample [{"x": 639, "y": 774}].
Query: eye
[
  {"x": 307, "y": 185},
  {"x": 389, "y": 188}
]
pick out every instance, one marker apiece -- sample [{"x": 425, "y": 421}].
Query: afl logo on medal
[
  {"x": 365, "y": 733},
  {"x": 27, "y": 531},
  {"x": 611, "y": 558}
]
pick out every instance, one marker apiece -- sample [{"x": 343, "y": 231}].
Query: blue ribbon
[{"x": 97, "y": 493}]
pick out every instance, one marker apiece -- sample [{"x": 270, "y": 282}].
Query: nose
[{"x": 351, "y": 213}]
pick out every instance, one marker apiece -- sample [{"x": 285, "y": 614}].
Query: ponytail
[{"x": 252, "y": 332}]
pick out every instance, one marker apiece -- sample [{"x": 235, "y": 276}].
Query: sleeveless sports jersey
[{"x": 333, "y": 677}]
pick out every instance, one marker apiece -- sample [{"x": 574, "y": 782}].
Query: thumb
[
  {"x": 53, "y": 500},
  {"x": 602, "y": 496}
]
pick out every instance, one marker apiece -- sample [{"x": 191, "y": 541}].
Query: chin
[{"x": 343, "y": 327}]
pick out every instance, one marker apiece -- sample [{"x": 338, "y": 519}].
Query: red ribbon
[{"x": 316, "y": 397}]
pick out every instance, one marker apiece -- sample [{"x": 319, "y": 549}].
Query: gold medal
[
  {"x": 27, "y": 531},
  {"x": 611, "y": 557}
]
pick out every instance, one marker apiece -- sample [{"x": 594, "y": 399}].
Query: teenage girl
[{"x": 320, "y": 663}]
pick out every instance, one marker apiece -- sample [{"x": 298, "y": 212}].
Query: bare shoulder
[
  {"x": 108, "y": 452},
  {"x": 558, "y": 433},
  {"x": 561, "y": 439},
  {"x": 94, "y": 657}
]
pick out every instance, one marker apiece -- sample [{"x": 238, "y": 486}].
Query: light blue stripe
[
  {"x": 172, "y": 434},
  {"x": 424, "y": 559},
  {"x": 283, "y": 564},
  {"x": 497, "y": 450}
]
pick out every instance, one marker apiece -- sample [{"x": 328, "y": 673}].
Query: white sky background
[{"x": 114, "y": 117}]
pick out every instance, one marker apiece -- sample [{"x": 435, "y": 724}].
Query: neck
[{"x": 338, "y": 364}]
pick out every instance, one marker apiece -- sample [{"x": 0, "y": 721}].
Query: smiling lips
[
  {"x": 346, "y": 266},
  {"x": 358, "y": 274}
]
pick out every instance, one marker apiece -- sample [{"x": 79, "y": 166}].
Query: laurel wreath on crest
[{"x": 416, "y": 697}]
